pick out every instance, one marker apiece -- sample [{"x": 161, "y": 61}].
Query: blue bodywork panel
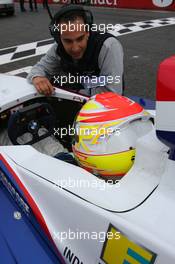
[
  {"x": 145, "y": 103},
  {"x": 20, "y": 242}
]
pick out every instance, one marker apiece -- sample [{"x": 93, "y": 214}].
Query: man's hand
[{"x": 43, "y": 85}]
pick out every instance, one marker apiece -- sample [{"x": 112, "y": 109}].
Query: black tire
[{"x": 10, "y": 13}]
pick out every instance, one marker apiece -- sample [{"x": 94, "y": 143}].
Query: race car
[
  {"x": 54, "y": 211},
  {"x": 7, "y": 7}
]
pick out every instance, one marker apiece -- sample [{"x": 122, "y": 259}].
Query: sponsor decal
[
  {"x": 71, "y": 257},
  {"x": 125, "y": 251},
  {"x": 147, "y": 4},
  {"x": 163, "y": 3},
  {"x": 91, "y": 2},
  {"x": 78, "y": 99},
  {"x": 104, "y": 2},
  {"x": 22, "y": 204}
]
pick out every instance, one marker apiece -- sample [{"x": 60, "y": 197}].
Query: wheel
[{"x": 10, "y": 13}]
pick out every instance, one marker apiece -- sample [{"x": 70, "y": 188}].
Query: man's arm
[
  {"x": 42, "y": 72},
  {"x": 111, "y": 64}
]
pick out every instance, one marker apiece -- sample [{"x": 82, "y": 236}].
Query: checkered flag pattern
[{"x": 24, "y": 51}]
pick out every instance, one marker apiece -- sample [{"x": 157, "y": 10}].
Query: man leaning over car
[{"x": 80, "y": 52}]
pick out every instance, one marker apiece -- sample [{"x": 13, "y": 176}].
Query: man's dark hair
[{"x": 72, "y": 16}]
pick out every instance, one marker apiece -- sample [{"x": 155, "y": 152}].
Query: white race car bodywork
[
  {"x": 15, "y": 90},
  {"x": 77, "y": 210}
]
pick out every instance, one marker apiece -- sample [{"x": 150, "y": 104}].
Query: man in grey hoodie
[{"x": 82, "y": 59}]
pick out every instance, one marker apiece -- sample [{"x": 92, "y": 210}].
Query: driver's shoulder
[
  {"x": 111, "y": 43},
  {"x": 52, "y": 51}
]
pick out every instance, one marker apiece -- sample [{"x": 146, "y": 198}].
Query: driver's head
[
  {"x": 106, "y": 132},
  {"x": 74, "y": 33}
]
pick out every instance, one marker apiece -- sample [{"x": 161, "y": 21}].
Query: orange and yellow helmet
[{"x": 106, "y": 131}]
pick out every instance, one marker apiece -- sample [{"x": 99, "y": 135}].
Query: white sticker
[{"x": 162, "y": 3}]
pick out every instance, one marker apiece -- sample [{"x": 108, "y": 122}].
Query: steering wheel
[{"x": 37, "y": 120}]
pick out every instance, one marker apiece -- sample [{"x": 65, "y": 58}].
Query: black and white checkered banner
[{"x": 24, "y": 51}]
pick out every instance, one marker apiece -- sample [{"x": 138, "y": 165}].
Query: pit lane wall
[{"x": 135, "y": 4}]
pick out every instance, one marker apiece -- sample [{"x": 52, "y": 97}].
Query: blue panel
[
  {"x": 20, "y": 242},
  {"x": 145, "y": 103},
  {"x": 11, "y": 178},
  {"x": 168, "y": 138},
  {"x": 6, "y": 254}
]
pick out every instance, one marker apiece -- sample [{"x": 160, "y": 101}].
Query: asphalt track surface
[{"x": 143, "y": 50}]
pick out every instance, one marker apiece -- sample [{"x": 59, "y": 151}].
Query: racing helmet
[{"x": 106, "y": 130}]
